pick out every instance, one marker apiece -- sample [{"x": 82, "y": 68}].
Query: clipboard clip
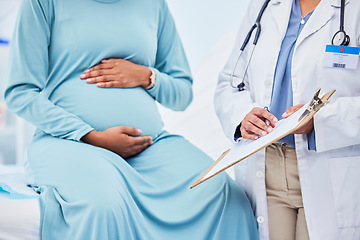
[{"x": 315, "y": 104}]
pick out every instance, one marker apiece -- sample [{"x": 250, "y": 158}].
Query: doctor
[{"x": 307, "y": 185}]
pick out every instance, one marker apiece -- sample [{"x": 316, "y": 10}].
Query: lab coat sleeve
[
  {"x": 173, "y": 87},
  {"x": 232, "y": 105},
  {"x": 337, "y": 125},
  {"x": 28, "y": 72}
]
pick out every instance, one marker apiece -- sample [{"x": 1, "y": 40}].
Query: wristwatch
[{"x": 152, "y": 80}]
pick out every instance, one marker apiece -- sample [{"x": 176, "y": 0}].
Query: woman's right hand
[
  {"x": 258, "y": 122},
  {"x": 117, "y": 73},
  {"x": 124, "y": 141}
]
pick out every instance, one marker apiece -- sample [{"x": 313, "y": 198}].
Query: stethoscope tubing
[
  {"x": 342, "y": 13},
  {"x": 257, "y": 26}
]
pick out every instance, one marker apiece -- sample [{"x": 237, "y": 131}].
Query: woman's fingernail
[
  {"x": 100, "y": 85},
  {"x": 139, "y": 131},
  {"x": 83, "y": 75},
  {"x": 87, "y": 70},
  {"x": 275, "y": 120},
  {"x": 269, "y": 129},
  {"x": 104, "y": 60},
  {"x": 256, "y": 137},
  {"x": 89, "y": 80},
  {"x": 263, "y": 133}
]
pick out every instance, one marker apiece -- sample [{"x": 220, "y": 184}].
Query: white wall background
[
  {"x": 202, "y": 23},
  {"x": 207, "y": 29},
  {"x": 8, "y": 143}
]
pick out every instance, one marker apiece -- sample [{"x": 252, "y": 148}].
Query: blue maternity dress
[{"x": 90, "y": 193}]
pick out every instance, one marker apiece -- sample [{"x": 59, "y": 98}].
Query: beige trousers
[{"x": 285, "y": 206}]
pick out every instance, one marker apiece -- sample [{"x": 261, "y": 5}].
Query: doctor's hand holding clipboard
[{"x": 306, "y": 185}]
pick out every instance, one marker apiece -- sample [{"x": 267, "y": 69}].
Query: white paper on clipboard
[{"x": 245, "y": 147}]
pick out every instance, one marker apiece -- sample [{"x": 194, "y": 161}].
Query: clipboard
[{"x": 246, "y": 148}]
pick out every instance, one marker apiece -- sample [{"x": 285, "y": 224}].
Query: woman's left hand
[
  {"x": 307, "y": 128},
  {"x": 118, "y": 73}
]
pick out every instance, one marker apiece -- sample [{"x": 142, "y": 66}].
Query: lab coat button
[
  {"x": 268, "y": 83},
  {"x": 294, "y": 85},
  {"x": 260, "y": 219},
  {"x": 259, "y": 174}
]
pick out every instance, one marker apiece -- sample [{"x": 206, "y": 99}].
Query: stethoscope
[{"x": 340, "y": 38}]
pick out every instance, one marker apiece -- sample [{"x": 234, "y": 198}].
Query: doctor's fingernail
[
  {"x": 275, "y": 120},
  {"x": 139, "y": 130},
  {"x": 269, "y": 129},
  {"x": 263, "y": 133},
  {"x": 83, "y": 75},
  {"x": 89, "y": 80},
  {"x": 87, "y": 70}
]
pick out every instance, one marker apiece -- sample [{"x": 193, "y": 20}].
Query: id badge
[{"x": 341, "y": 57}]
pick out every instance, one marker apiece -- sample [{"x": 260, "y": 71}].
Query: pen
[{"x": 267, "y": 121}]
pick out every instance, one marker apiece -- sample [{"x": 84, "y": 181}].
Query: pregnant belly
[{"x": 103, "y": 108}]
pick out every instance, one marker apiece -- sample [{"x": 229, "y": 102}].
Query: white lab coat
[{"x": 329, "y": 177}]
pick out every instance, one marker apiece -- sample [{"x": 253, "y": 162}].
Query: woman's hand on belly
[
  {"x": 123, "y": 141},
  {"x": 117, "y": 73}
]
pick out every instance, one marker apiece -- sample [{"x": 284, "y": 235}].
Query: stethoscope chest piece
[
  {"x": 241, "y": 86},
  {"x": 340, "y": 38}
]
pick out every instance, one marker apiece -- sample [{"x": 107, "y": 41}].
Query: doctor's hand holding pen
[{"x": 259, "y": 122}]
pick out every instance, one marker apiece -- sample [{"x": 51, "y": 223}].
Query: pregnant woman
[{"x": 104, "y": 166}]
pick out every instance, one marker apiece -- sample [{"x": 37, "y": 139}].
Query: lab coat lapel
[
  {"x": 323, "y": 13},
  {"x": 280, "y": 12}
]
